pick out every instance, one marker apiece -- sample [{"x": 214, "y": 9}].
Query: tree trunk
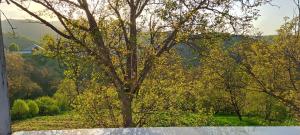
[
  {"x": 239, "y": 114},
  {"x": 268, "y": 108},
  {"x": 127, "y": 110},
  {"x": 4, "y": 101},
  {"x": 237, "y": 109},
  {"x": 235, "y": 105}
]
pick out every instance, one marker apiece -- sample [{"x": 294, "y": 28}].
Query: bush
[
  {"x": 279, "y": 113},
  {"x": 62, "y": 101},
  {"x": 13, "y": 47},
  {"x": 94, "y": 109},
  {"x": 53, "y": 109},
  {"x": 20, "y": 109},
  {"x": 33, "y": 108},
  {"x": 47, "y": 106}
]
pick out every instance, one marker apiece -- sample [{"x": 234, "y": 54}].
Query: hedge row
[{"x": 30, "y": 108}]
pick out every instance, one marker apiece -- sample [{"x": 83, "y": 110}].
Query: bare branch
[{"x": 11, "y": 26}]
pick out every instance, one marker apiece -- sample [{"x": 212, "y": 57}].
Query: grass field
[
  {"x": 234, "y": 121},
  {"x": 72, "y": 121},
  {"x": 220, "y": 120},
  {"x": 63, "y": 121}
]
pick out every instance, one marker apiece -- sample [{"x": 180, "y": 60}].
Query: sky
[
  {"x": 272, "y": 16},
  {"x": 270, "y": 20}
]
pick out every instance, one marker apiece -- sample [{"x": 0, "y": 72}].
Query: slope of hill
[
  {"x": 28, "y": 28},
  {"x": 23, "y": 42},
  {"x": 29, "y": 32}
]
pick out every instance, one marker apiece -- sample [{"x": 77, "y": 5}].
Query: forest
[{"x": 155, "y": 63}]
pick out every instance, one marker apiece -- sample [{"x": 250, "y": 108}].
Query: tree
[
  {"x": 273, "y": 66},
  {"x": 126, "y": 37},
  {"x": 221, "y": 73},
  {"x": 19, "y": 81},
  {"x": 44, "y": 71},
  {"x": 13, "y": 47}
]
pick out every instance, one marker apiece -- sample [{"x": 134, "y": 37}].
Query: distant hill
[
  {"x": 29, "y": 32},
  {"x": 28, "y": 28},
  {"x": 22, "y": 41}
]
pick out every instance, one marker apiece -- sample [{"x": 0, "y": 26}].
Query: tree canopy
[{"x": 126, "y": 38}]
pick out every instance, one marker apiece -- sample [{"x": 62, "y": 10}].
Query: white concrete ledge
[{"x": 172, "y": 131}]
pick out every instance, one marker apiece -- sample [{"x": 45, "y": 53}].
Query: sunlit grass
[
  {"x": 220, "y": 120},
  {"x": 58, "y": 122},
  {"x": 70, "y": 120}
]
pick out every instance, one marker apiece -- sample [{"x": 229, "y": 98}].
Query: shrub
[
  {"x": 13, "y": 47},
  {"x": 94, "y": 108},
  {"x": 62, "y": 101},
  {"x": 47, "y": 106},
  {"x": 279, "y": 113},
  {"x": 53, "y": 109},
  {"x": 20, "y": 109},
  {"x": 33, "y": 108}
]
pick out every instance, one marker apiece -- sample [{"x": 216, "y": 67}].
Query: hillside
[
  {"x": 22, "y": 41},
  {"x": 28, "y": 29},
  {"x": 29, "y": 32}
]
